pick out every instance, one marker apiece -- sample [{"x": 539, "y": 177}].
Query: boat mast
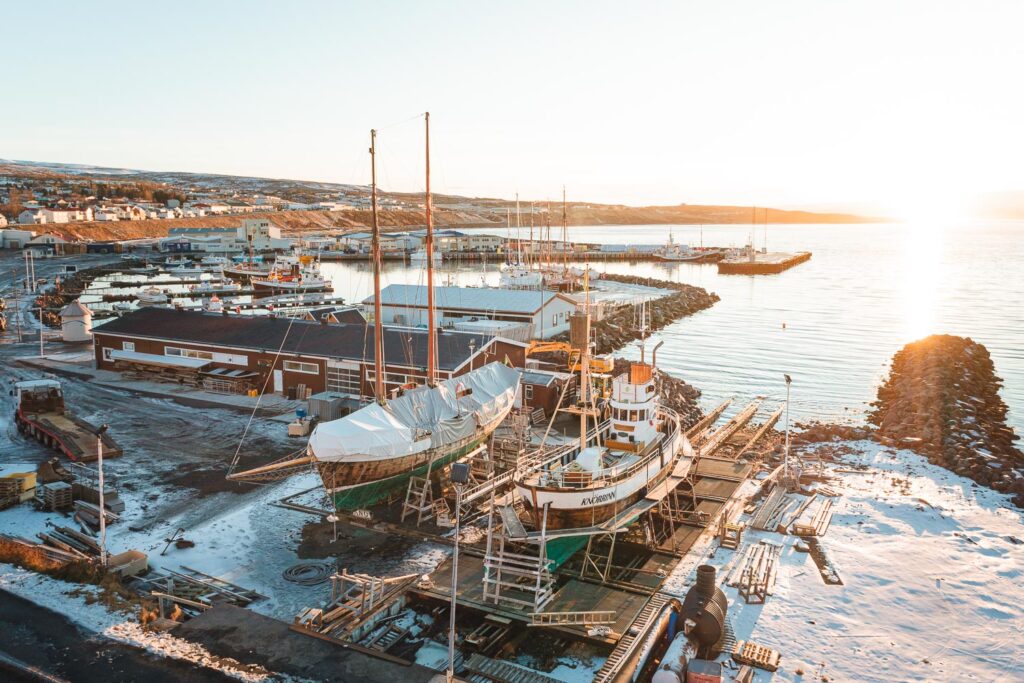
[
  {"x": 519, "y": 235},
  {"x": 588, "y": 391},
  {"x": 565, "y": 231},
  {"x": 431, "y": 323},
  {"x": 378, "y": 325}
]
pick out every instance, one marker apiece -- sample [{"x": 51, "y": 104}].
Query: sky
[{"x": 894, "y": 104}]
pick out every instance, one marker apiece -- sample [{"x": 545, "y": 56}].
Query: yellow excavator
[{"x": 598, "y": 364}]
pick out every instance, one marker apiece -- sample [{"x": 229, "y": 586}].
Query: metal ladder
[{"x": 572, "y": 618}]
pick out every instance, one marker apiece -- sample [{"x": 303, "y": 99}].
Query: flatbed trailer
[{"x": 41, "y": 415}]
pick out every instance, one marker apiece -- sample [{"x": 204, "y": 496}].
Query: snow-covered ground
[{"x": 933, "y": 568}]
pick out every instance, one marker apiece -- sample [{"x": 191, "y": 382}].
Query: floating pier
[{"x": 768, "y": 263}]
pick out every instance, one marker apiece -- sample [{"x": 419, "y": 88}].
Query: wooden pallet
[{"x": 753, "y": 654}]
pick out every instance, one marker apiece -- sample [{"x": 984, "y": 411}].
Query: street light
[
  {"x": 789, "y": 380},
  {"x": 103, "y": 513},
  {"x": 460, "y": 475}
]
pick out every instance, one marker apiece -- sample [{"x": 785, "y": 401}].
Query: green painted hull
[
  {"x": 559, "y": 550},
  {"x": 364, "y": 495}
]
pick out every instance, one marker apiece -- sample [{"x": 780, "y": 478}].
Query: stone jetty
[
  {"x": 942, "y": 400},
  {"x": 619, "y": 327}
]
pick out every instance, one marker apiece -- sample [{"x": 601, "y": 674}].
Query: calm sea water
[{"x": 832, "y": 323}]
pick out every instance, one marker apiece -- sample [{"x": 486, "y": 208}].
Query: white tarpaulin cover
[{"x": 420, "y": 419}]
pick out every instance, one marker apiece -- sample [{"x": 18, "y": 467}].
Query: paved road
[{"x": 50, "y": 642}]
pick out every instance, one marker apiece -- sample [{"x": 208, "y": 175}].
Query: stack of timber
[
  {"x": 55, "y": 496},
  {"x": 72, "y": 541},
  {"x": 814, "y": 522},
  {"x": 195, "y": 591},
  {"x": 89, "y": 514},
  {"x": 17, "y": 487},
  {"x": 769, "y": 509},
  {"x": 41, "y": 551},
  {"x": 357, "y": 604}
]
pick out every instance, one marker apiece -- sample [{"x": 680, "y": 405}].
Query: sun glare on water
[{"x": 924, "y": 240}]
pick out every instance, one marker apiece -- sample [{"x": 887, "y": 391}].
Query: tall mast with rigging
[
  {"x": 431, "y": 323},
  {"x": 378, "y": 324}
]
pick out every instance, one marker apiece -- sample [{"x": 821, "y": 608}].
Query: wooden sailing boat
[
  {"x": 613, "y": 465},
  {"x": 373, "y": 452}
]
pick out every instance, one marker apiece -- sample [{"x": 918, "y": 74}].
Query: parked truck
[{"x": 41, "y": 415}]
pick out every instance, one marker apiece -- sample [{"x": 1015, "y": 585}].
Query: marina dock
[{"x": 768, "y": 263}]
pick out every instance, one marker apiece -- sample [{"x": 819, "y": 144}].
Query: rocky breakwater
[
  {"x": 942, "y": 400},
  {"x": 619, "y": 327}
]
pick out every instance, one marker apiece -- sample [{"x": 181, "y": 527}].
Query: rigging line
[
  {"x": 259, "y": 399},
  {"x": 399, "y": 123}
]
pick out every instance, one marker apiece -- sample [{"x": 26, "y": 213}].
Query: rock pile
[
  {"x": 620, "y": 326},
  {"x": 942, "y": 400}
]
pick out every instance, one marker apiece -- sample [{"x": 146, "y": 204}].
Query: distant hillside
[
  {"x": 1001, "y": 205},
  {"x": 452, "y": 211}
]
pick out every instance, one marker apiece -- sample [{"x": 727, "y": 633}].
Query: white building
[
  {"x": 65, "y": 215},
  {"x": 15, "y": 239},
  {"x": 107, "y": 214},
  {"x": 260, "y": 232},
  {"x": 3, "y": 221},
  {"x": 547, "y": 312},
  {"x": 76, "y": 323}
]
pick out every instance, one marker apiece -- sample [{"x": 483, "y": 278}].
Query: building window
[
  {"x": 343, "y": 380},
  {"x": 308, "y": 368},
  {"x": 128, "y": 346},
  {"x": 187, "y": 353},
  {"x": 106, "y": 354}
]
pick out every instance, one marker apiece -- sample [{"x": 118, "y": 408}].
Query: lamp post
[
  {"x": 42, "y": 327},
  {"x": 789, "y": 380},
  {"x": 460, "y": 475},
  {"x": 103, "y": 512}
]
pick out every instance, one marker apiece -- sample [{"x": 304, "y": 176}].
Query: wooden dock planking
[{"x": 574, "y": 596}]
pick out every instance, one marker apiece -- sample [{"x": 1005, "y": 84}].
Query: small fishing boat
[
  {"x": 246, "y": 271},
  {"x": 298, "y": 279}
]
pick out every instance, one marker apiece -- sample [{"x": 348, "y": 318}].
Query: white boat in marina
[
  {"x": 215, "y": 286},
  {"x": 420, "y": 257},
  {"x": 214, "y": 262},
  {"x": 519, "y": 276},
  {"x": 152, "y": 296}
]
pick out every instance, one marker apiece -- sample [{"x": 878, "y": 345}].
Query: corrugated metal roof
[{"x": 471, "y": 298}]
